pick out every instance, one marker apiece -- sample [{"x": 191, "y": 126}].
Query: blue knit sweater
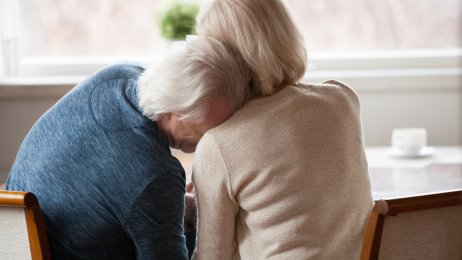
[{"x": 103, "y": 173}]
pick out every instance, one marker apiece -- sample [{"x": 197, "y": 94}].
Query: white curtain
[{"x": 9, "y": 37}]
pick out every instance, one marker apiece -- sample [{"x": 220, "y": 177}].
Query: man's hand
[{"x": 190, "y": 214}]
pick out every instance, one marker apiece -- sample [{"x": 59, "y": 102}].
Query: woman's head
[
  {"x": 263, "y": 33},
  {"x": 197, "y": 86}
]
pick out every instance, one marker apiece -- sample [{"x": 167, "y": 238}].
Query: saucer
[{"x": 424, "y": 152}]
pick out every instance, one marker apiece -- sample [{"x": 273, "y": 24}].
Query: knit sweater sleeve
[
  {"x": 155, "y": 222},
  {"x": 217, "y": 207}
]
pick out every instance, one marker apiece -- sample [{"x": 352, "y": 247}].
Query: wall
[
  {"x": 438, "y": 109},
  {"x": 19, "y": 108}
]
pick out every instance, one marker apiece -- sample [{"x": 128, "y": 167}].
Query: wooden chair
[
  {"x": 22, "y": 231},
  {"x": 422, "y": 227}
]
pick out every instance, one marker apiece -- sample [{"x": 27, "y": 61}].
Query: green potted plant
[{"x": 178, "y": 20}]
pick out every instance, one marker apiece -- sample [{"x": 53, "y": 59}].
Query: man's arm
[
  {"x": 155, "y": 222},
  {"x": 190, "y": 214},
  {"x": 190, "y": 218},
  {"x": 217, "y": 208}
]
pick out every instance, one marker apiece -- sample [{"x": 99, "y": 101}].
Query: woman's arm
[{"x": 217, "y": 207}]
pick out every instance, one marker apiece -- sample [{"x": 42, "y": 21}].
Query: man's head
[{"x": 197, "y": 86}]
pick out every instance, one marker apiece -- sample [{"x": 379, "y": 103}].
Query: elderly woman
[
  {"x": 99, "y": 160},
  {"x": 286, "y": 176}
]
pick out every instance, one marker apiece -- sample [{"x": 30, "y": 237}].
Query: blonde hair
[
  {"x": 264, "y": 34},
  {"x": 191, "y": 75}
]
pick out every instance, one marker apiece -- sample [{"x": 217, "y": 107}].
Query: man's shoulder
[
  {"x": 113, "y": 97},
  {"x": 122, "y": 70}
]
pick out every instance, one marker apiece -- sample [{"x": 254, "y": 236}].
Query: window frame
[
  {"x": 377, "y": 70},
  {"x": 364, "y": 70}
]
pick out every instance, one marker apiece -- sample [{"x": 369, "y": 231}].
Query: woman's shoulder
[
  {"x": 332, "y": 85},
  {"x": 332, "y": 89}
]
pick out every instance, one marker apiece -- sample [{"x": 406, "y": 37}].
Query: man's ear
[
  {"x": 166, "y": 116},
  {"x": 175, "y": 115},
  {"x": 164, "y": 121}
]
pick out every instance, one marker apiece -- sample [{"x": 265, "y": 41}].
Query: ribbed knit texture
[
  {"x": 285, "y": 178},
  {"x": 103, "y": 173}
]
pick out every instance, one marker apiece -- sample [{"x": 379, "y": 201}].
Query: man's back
[
  {"x": 100, "y": 170},
  {"x": 293, "y": 167}
]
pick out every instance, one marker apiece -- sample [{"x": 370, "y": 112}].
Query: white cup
[{"x": 409, "y": 141}]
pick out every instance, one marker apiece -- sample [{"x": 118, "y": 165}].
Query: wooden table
[
  {"x": 398, "y": 177},
  {"x": 393, "y": 177}
]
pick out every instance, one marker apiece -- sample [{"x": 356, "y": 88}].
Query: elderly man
[{"x": 99, "y": 160}]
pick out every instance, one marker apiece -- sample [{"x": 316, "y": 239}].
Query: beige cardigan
[{"x": 285, "y": 178}]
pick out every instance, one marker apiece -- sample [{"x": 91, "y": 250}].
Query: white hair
[
  {"x": 191, "y": 75},
  {"x": 263, "y": 33}
]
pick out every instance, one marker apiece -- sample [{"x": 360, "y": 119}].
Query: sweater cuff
[{"x": 190, "y": 242}]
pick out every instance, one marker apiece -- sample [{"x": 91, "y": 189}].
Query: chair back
[
  {"x": 22, "y": 231},
  {"x": 421, "y": 227}
]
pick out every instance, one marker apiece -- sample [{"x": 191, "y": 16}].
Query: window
[
  {"x": 364, "y": 25},
  {"x": 100, "y": 31},
  {"x": 121, "y": 28},
  {"x": 90, "y": 28}
]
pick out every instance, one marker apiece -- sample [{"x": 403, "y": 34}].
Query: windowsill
[
  {"x": 381, "y": 71},
  {"x": 25, "y": 81},
  {"x": 435, "y": 79},
  {"x": 361, "y": 80},
  {"x": 37, "y": 86}
]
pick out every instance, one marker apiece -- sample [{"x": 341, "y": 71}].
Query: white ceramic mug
[{"x": 409, "y": 141}]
